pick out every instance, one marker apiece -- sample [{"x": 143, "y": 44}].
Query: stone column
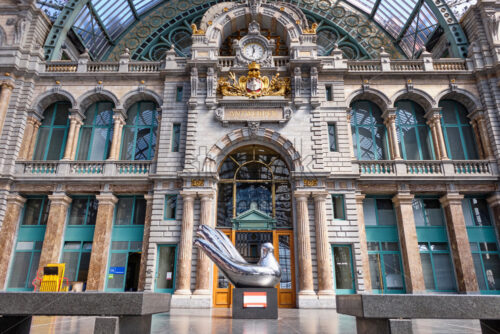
[
  {"x": 363, "y": 243},
  {"x": 8, "y": 234},
  {"x": 304, "y": 245},
  {"x": 434, "y": 120},
  {"x": 119, "y": 122},
  {"x": 5, "y": 93},
  {"x": 390, "y": 123},
  {"x": 435, "y": 138},
  {"x": 323, "y": 248},
  {"x": 145, "y": 241},
  {"x": 54, "y": 231},
  {"x": 102, "y": 240},
  {"x": 349, "y": 133},
  {"x": 74, "y": 131},
  {"x": 483, "y": 132},
  {"x": 185, "y": 245},
  {"x": 203, "y": 266},
  {"x": 29, "y": 138},
  {"x": 412, "y": 265},
  {"x": 459, "y": 243}
]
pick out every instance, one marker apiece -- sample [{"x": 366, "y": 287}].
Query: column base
[
  {"x": 191, "y": 301},
  {"x": 307, "y": 293},
  {"x": 202, "y": 292},
  {"x": 323, "y": 301},
  {"x": 182, "y": 292},
  {"x": 326, "y": 293},
  {"x": 180, "y": 301}
]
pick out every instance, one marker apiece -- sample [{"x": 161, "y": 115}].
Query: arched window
[
  {"x": 96, "y": 132},
  {"x": 368, "y": 132},
  {"x": 413, "y": 133},
  {"x": 457, "y": 131},
  {"x": 139, "y": 134},
  {"x": 52, "y": 134}
]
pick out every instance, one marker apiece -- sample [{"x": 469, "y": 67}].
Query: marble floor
[{"x": 217, "y": 321}]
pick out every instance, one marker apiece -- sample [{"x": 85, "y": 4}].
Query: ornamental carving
[{"x": 254, "y": 84}]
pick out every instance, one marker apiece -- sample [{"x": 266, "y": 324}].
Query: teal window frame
[
  {"x": 176, "y": 137},
  {"x": 480, "y": 252},
  {"x": 81, "y": 250},
  {"x": 416, "y": 126},
  {"x": 342, "y": 206},
  {"x": 127, "y": 251},
  {"x": 372, "y": 127},
  {"x": 132, "y": 216},
  {"x": 460, "y": 126},
  {"x": 52, "y": 127},
  {"x": 167, "y": 198},
  {"x": 36, "y": 249},
  {"x": 328, "y": 93},
  {"x": 136, "y": 127},
  {"x": 174, "y": 274},
  {"x": 344, "y": 291},
  {"x": 432, "y": 253},
  {"x": 94, "y": 126},
  {"x": 332, "y": 137},
  {"x": 89, "y": 199},
  {"x": 380, "y": 253},
  {"x": 179, "y": 93}
]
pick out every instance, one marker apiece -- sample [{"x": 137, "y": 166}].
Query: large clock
[{"x": 253, "y": 50}]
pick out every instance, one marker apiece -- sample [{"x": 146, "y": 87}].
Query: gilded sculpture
[{"x": 253, "y": 85}]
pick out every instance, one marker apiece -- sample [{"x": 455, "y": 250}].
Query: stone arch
[
  {"x": 44, "y": 100},
  {"x": 416, "y": 95},
  {"x": 93, "y": 96},
  {"x": 372, "y": 95},
  {"x": 138, "y": 95},
  {"x": 244, "y": 136},
  {"x": 469, "y": 100}
]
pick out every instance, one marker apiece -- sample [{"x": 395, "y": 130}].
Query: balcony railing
[{"x": 427, "y": 168}]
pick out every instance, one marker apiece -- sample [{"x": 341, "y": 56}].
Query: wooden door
[
  {"x": 222, "y": 296},
  {"x": 284, "y": 253}
]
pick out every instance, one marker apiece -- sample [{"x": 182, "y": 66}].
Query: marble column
[
  {"x": 5, "y": 93},
  {"x": 119, "y": 122},
  {"x": 323, "y": 248},
  {"x": 365, "y": 261},
  {"x": 54, "y": 231},
  {"x": 485, "y": 141},
  {"x": 390, "y": 123},
  {"x": 15, "y": 203},
  {"x": 349, "y": 133},
  {"x": 203, "y": 265},
  {"x": 145, "y": 241},
  {"x": 459, "y": 243},
  {"x": 29, "y": 138},
  {"x": 102, "y": 241},
  {"x": 304, "y": 245},
  {"x": 71, "y": 142},
  {"x": 410, "y": 253},
  {"x": 185, "y": 245},
  {"x": 436, "y": 120},
  {"x": 435, "y": 138}
]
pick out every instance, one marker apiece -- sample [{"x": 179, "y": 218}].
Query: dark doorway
[{"x": 133, "y": 269}]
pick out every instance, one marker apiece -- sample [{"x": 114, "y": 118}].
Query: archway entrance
[{"x": 253, "y": 207}]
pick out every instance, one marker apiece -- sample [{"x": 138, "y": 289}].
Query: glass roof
[{"x": 100, "y": 23}]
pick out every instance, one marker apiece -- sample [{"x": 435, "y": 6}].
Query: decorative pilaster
[
  {"x": 29, "y": 138},
  {"x": 362, "y": 242},
  {"x": 15, "y": 203},
  {"x": 434, "y": 122},
  {"x": 145, "y": 241},
  {"x": 390, "y": 123},
  {"x": 412, "y": 265},
  {"x": 185, "y": 245},
  {"x": 54, "y": 232},
  {"x": 323, "y": 249},
  {"x": 459, "y": 243},
  {"x": 5, "y": 93},
  {"x": 304, "y": 245},
  {"x": 119, "y": 122},
  {"x": 203, "y": 266},
  {"x": 102, "y": 240},
  {"x": 74, "y": 131}
]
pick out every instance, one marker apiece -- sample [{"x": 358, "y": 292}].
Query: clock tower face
[{"x": 253, "y": 50}]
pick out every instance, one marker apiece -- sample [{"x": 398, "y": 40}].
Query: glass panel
[
  {"x": 62, "y": 113},
  {"x": 35, "y": 260},
  {"x": 176, "y": 137},
  {"x": 117, "y": 280},
  {"x": 225, "y": 204},
  {"x": 425, "y": 142},
  {"x": 427, "y": 271},
  {"x": 119, "y": 245},
  {"x": 101, "y": 142},
  {"x": 488, "y": 247},
  {"x": 393, "y": 274},
  {"x": 87, "y": 246},
  {"x": 140, "y": 211},
  {"x": 418, "y": 212},
  {"x": 20, "y": 270},
  {"x": 283, "y": 205},
  {"x": 84, "y": 267},
  {"x": 470, "y": 142},
  {"x": 332, "y": 136},
  {"x": 170, "y": 206},
  {"x": 41, "y": 143},
  {"x": 444, "y": 272},
  {"x": 254, "y": 171},
  {"x": 366, "y": 144},
  {"x": 136, "y": 245},
  {"x": 166, "y": 267},
  {"x": 448, "y": 112},
  {"x": 104, "y": 115},
  {"x": 375, "y": 271},
  {"x": 369, "y": 212},
  {"x": 381, "y": 152},
  {"x": 143, "y": 144},
  {"x": 338, "y": 207},
  {"x": 32, "y": 211},
  {"x": 128, "y": 143},
  {"x": 92, "y": 213},
  {"x": 71, "y": 261},
  {"x": 78, "y": 211},
  {"x": 373, "y": 246},
  {"x": 390, "y": 246},
  {"x": 480, "y": 212},
  {"x": 84, "y": 143},
  {"x": 147, "y": 116},
  {"x": 455, "y": 143},
  {"x": 73, "y": 245},
  {"x": 411, "y": 149},
  {"x": 433, "y": 212},
  {"x": 343, "y": 268},
  {"x": 249, "y": 194},
  {"x": 479, "y": 271},
  {"x": 25, "y": 245},
  {"x": 124, "y": 209},
  {"x": 285, "y": 262},
  {"x": 492, "y": 270},
  {"x": 467, "y": 210},
  {"x": 385, "y": 212},
  {"x": 55, "y": 148}
]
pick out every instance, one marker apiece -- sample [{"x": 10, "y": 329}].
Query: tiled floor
[{"x": 219, "y": 321}]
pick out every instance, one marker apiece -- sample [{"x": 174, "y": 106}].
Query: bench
[
  {"x": 384, "y": 314},
  {"x": 121, "y": 312}
]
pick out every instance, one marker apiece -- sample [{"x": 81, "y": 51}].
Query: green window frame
[
  {"x": 179, "y": 94},
  {"x": 338, "y": 204},
  {"x": 140, "y": 132},
  {"x": 436, "y": 266},
  {"x": 428, "y": 212},
  {"x": 83, "y": 204},
  {"x": 410, "y": 120},
  {"x": 170, "y": 207},
  {"x": 370, "y": 141},
  {"x": 35, "y": 211},
  {"x": 50, "y": 145},
  {"x": 332, "y": 137},
  {"x": 337, "y": 269},
  {"x": 94, "y": 142},
  {"x": 136, "y": 207},
  {"x": 454, "y": 118},
  {"x": 77, "y": 271},
  {"x": 176, "y": 137}
]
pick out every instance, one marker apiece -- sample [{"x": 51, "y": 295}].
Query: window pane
[
  {"x": 285, "y": 262},
  {"x": 84, "y": 143},
  {"x": 170, "y": 206},
  {"x": 338, "y": 207},
  {"x": 124, "y": 209},
  {"x": 373, "y": 246},
  {"x": 32, "y": 211},
  {"x": 386, "y": 214},
  {"x": 492, "y": 270},
  {"x": 25, "y": 245},
  {"x": 20, "y": 270},
  {"x": 480, "y": 212},
  {"x": 366, "y": 144},
  {"x": 393, "y": 275},
  {"x": 35, "y": 260},
  {"x": 369, "y": 212},
  {"x": 409, "y": 139},
  {"x": 166, "y": 267},
  {"x": 332, "y": 137},
  {"x": 381, "y": 152},
  {"x": 61, "y": 116},
  {"x": 433, "y": 212},
  {"x": 390, "y": 246},
  {"x": 101, "y": 142},
  {"x": 455, "y": 143},
  {"x": 444, "y": 272},
  {"x": 418, "y": 212},
  {"x": 41, "y": 143},
  {"x": 375, "y": 273},
  {"x": 117, "y": 280},
  {"x": 128, "y": 143},
  {"x": 71, "y": 261},
  {"x": 425, "y": 142},
  {"x": 56, "y": 144},
  {"x": 78, "y": 211},
  {"x": 479, "y": 271},
  {"x": 470, "y": 143},
  {"x": 147, "y": 116},
  {"x": 176, "y": 137},
  {"x": 467, "y": 210},
  {"x": 73, "y": 245},
  {"x": 92, "y": 213},
  {"x": 427, "y": 271},
  {"x": 140, "y": 211},
  {"x": 343, "y": 268},
  {"x": 84, "y": 267},
  {"x": 143, "y": 144},
  {"x": 448, "y": 111}
]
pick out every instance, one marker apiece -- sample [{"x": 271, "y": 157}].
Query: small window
[
  {"x": 332, "y": 137},
  {"x": 338, "y": 206},
  {"x": 170, "y": 206},
  {"x": 178, "y": 95},
  {"x": 130, "y": 210},
  {"x": 328, "y": 91},
  {"x": 176, "y": 137}
]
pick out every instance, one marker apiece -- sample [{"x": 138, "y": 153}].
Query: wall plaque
[{"x": 270, "y": 114}]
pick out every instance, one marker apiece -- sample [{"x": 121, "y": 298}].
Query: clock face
[{"x": 253, "y": 51}]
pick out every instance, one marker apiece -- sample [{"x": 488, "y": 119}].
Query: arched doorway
[{"x": 253, "y": 207}]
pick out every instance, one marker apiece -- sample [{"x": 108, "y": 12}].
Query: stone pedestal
[{"x": 245, "y": 298}]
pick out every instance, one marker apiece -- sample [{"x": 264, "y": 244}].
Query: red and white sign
[{"x": 255, "y": 299}]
